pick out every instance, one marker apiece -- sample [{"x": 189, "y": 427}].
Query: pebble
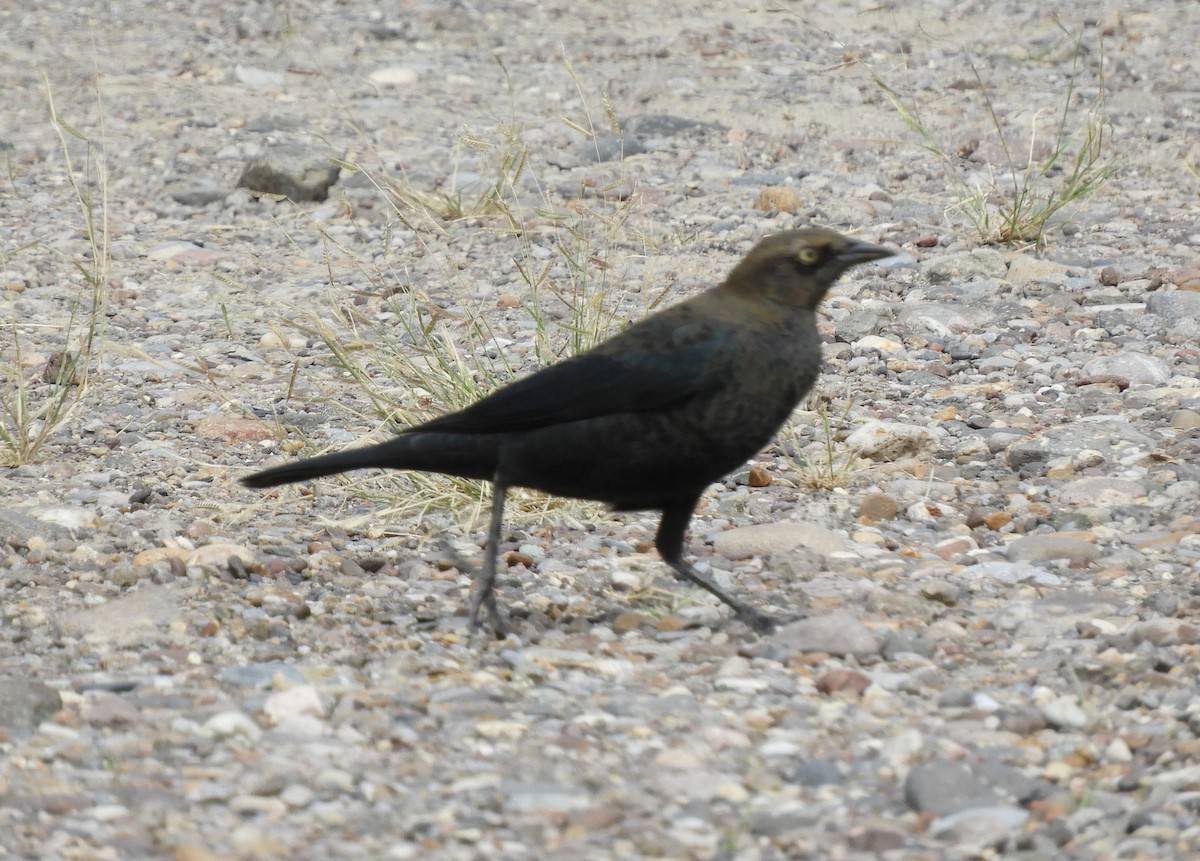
[
  {"x": 67, "y": 516},
  {"x": 878, "y": 506},
  {"x": 1037, "y": 548},
  {"x": 945, "y": 321},
  {"x": 25, "y": 703},
  {"x": 138, "y": 617},
  {"x": 259, "y": 79},
  {"x": 301, "y": 173},
  {"x": 199, "y": 191},
  {"x": 978, "y": 826},
  {"x": 838, "y": 633},
  {"x": 394, "y": 76},
  {"x": 887, "y": 441},
  {"x": 293, "y": 702},
  {"x": 1174, "y": 304},
  {"x": 967, "y": 265},
  {"x": 1023, "y": 268},
  {"x": 817, "y": 772},
  {"x": 1064, "y": 712},
  {"x": 942, "y": 787},
  {"x": 780, "y": 198},
  {"x": 1101, "y": 492},
  {"x": 1128, "y": 367},
  {"x": 771, "y": 538},
  {"x": 287, "y": 340},
  {"x": 883, "y": 345},
  {"x": 265, "y": 675},
  {"x": 1165, "y": 632},
  {"x": 1090, "y": 433},
  {"x": 218, "y": 554},
  {"x": 232, "y": 723}
]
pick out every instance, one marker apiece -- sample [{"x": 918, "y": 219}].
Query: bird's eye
[{"x": 808, "y": 255}]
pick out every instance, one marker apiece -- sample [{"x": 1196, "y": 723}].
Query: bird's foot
[
  {"x": 486, "y": 597},
  {"x": 759, "y": 622}
]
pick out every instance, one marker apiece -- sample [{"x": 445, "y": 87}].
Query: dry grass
[
  {"x": 33, "y": 405},
  {"x": 1018, "y": 197}
]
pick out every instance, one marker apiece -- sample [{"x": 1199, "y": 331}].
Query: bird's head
[{"x": 796, "y": 268}]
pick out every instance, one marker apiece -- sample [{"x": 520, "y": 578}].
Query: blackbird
[{"x": 645, "y": 420}]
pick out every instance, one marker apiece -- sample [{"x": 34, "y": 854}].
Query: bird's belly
[{"x": 634, "y": 460}]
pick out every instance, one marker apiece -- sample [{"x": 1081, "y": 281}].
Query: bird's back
[{"x": 705, "y": 385}]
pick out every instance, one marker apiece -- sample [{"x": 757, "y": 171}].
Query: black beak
[{"x": 857, "y": 252}]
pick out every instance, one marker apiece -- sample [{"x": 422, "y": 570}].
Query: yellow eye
[{"x": 808, "y": 255}]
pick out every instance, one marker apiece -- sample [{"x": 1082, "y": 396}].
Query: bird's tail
[{"x": 457, "y": 454}]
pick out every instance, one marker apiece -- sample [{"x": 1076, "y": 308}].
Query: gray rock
[
  {"x": 956, "y": 698},
  {"x": 770, "y": 538},
  {"x": 259, "y": 79},
  {"x": 887, "y": 441},
  {"x": 945, "y": 320},
  {"x": 1101, "y": 492},
  {"x": 838, "y": 633},
  {"x": 197, "y": 192},
  {"x": 132, "y": 618},
  {"x": 544, "y": 798},
  {"x": 945, "y": 787},
  {"x": 1128, "y": 366},
  {"x": 979, "y": 826},
  {"x": 1163, "y": 632},
  {"x": 817, "y": 772},
  {"x": 1067, "y": 440},
  {"x": 784, "y": 824},
  {"x": 899, "y": 643},
  {"x": 611, "y": 148},
  {"x": 299, "y": 173},
  {"x": 263, "y": 675},
  {"x": 25, "y": 703},
  {"x": 1023, "y": 720},
  {"x": 967, "y": 265},
  {"x": 1036, "y": 548},
  {"x": 18, "y": 528},
  {"x": 1174, "y": 304},
  {"x": 1185, "y": 419},
  {"x": 858, "y": 324},
  {"x": 664, "y": 125},
  {"x": 1065, "y": 713},
  {"x": 266, "y": 123},
  {"x": 1010, "y": 573}
]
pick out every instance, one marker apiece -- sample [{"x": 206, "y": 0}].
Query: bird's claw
[
  {"x": 486, "y": 597},
  {"x": 793, "y": 617},
  {"x": 757, "y": 621}
]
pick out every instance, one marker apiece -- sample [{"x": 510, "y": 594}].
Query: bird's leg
[
  {"x": 669, "y": 542},
  {"x": 485, "y": 586}
]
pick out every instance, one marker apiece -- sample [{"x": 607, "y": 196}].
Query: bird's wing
[{"x": 626, "y": 374}]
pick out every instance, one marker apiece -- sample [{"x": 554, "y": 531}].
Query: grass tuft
[
  {"x": 820, "y": 465},
  {"x": 34, "y": 406},
  {"x": 1018, "y": 198}
]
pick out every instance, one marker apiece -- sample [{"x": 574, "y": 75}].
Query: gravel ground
[{"x": 997, "y": 650}]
